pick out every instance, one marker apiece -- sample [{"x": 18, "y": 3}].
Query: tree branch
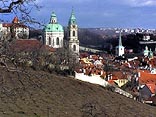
[{"x": 10, "y": 7}]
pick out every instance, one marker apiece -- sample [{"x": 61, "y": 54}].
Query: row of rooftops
[
  {"x": 122, "y": 69},
  {"x": 139, "y": 70}
]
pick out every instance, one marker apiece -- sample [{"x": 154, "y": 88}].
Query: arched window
[
  {"x": 74, "y": 47},
  {"x": 49, "y": 41},
  {"x": 73, "y": 33},
  {"x": 57, "y": 41}
]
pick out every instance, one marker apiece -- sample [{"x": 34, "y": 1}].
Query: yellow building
[{"x": 121, "y": 82}]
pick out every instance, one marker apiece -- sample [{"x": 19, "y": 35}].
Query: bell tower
[{"x": 73, "y": 34}]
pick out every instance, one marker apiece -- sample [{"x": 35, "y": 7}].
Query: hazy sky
[{"x": 101, "y": 13}]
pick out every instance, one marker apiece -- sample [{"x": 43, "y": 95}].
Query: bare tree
[{"x": 20, "y": 8}]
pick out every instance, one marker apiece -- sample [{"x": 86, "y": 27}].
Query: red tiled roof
[
  {"x": 15, "y": 20},
  {"x": 153, "y": 62},
  {"x": 14, "y": 25},
  {"x": 29, "y": 45},
  {"x": 7, "y": 24},
  {"x": 26, "y": 45},
  {"x": 111, "y": 82},
  {"x": 146, "y": 77},
  {"x": 152, "y": 88},
  {"x": 119, "y": 75},
  {"x": 50, "y": 49}
]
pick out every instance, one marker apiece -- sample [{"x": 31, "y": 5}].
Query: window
[
  {"x": 57, "y": 41},
  {"x": 73, "y": 33},
  {"x": 49, "y": 41},
  {"x": 74, "y": 47}
]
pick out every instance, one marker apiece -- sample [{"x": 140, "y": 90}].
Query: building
[
  {"x": 146, "y": 37},
  {"x": 15, "y": 29},
  {"x": 73, "y": 34},
  {"x": 147, "y": 52},
  {"x": 53, "y": 33},
  {"x": 120, "y": 50}
]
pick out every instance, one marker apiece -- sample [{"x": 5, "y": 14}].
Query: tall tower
[
  {"x": 120, "y": 50},
  {"x": 73, "y": 34}
]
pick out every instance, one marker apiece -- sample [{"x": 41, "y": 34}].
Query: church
[
  {"x": 120, "y": 50},
  {"x": 54, "y": 33}
]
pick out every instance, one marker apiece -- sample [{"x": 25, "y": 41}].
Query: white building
[
  {"x": 15, "y": 29},
  {"x": 146, "y": 37},
  {"x": 53, "y": 33}
]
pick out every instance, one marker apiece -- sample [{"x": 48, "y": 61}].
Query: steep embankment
[{"x": 40, "y": 94}]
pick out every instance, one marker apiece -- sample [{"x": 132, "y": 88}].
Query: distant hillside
[
  {"x": 104, "y": 39},
  {"x": 40, "y": 94}
]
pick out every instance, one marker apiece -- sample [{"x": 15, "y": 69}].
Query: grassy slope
[{"x": 43, "y": 94}]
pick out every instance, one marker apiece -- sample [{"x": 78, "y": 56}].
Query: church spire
[
  {"x": 72, "y": 19},
  {"x": 120, "y": 40},
  {"x": 120, "y": 49}
]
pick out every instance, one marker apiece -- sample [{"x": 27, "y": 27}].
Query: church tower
[
  {"x": 120, "y": 50},
  {"x": 73, "y": 34}
]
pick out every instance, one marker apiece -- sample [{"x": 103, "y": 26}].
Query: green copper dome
[
  {"x": 72, "y": 19},
  {"x": 53, "y": 28}
]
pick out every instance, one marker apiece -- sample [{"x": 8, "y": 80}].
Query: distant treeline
[{"x": 105, "y": 40}]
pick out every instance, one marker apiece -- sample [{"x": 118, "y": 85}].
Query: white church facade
[{"x": 53, "y": 33}]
